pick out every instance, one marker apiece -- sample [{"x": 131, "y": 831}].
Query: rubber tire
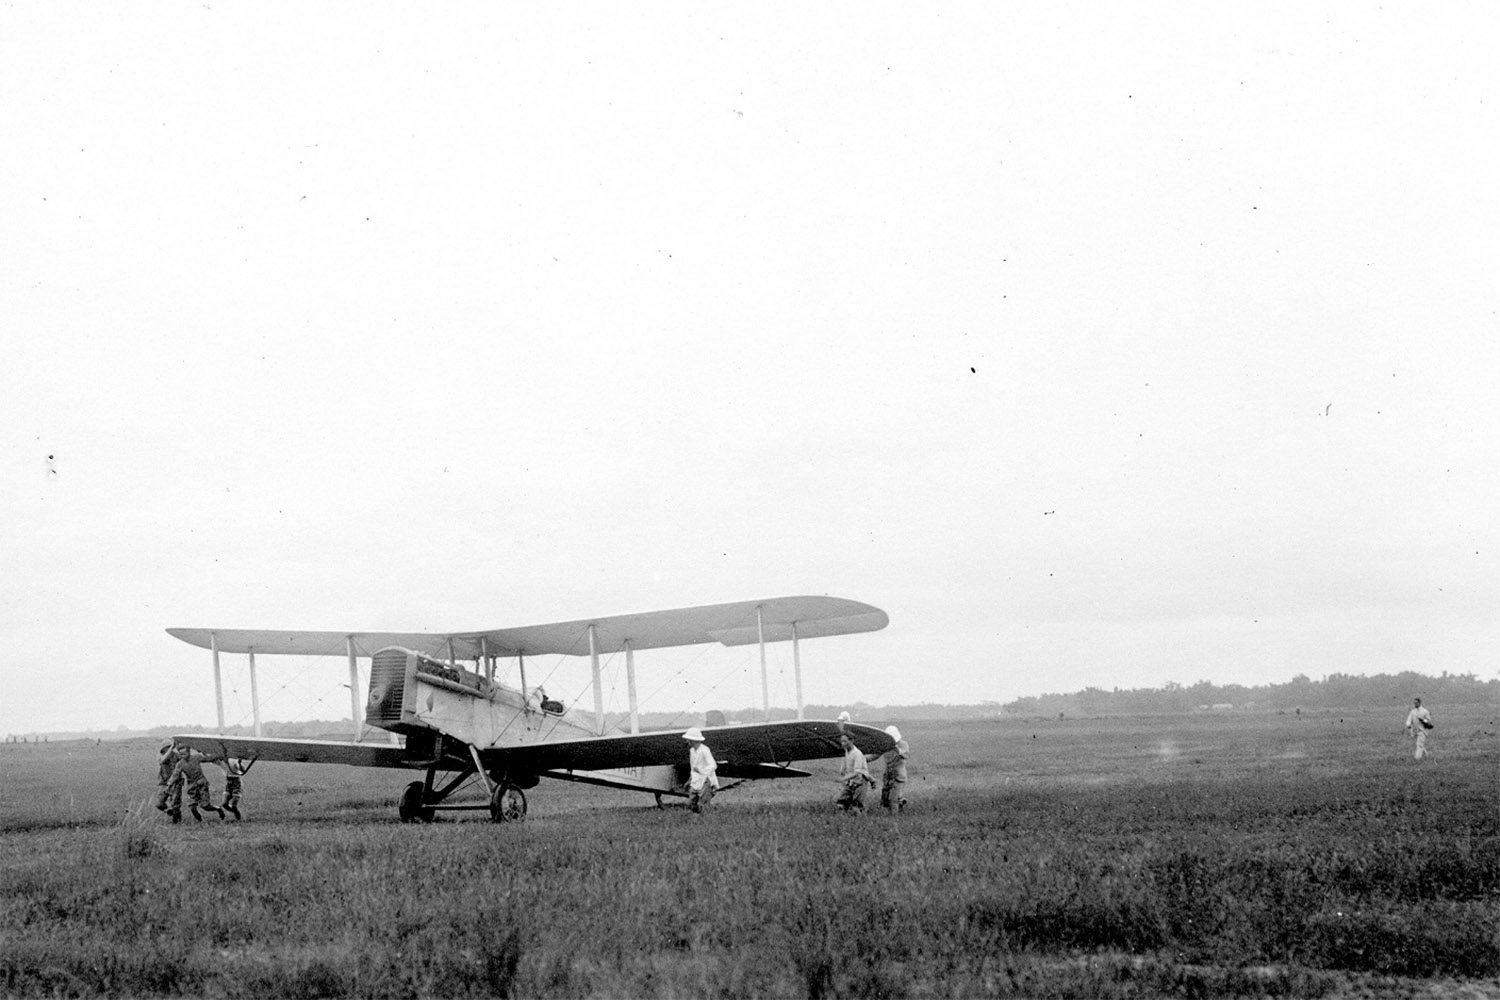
[
  {"x": 507, "y": 804},
  {"x": 410, "y": 806}
]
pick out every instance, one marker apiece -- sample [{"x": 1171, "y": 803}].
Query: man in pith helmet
[
  {"x": 703, "y": 777},
  {"x": 893, "y": 785}
]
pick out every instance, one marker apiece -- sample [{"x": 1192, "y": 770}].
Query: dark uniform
[
  {"x": 234, "y": 772},
  {"x": 893, "y": 785},
  {"x": 199, "y": 795},
  {"x": 168, "y": 784}
]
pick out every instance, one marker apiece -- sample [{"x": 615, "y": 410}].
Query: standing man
[
  {"x": 855, "y": 775},
  {"x": 703, "y": 776},
  {"x": 1418, "y": 721},
  {"x": 893, "y": 784}
]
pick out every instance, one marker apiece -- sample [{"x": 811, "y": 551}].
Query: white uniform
[
  {"x": 703, "y": 780},
  {"x": 1414, "y": 720}
]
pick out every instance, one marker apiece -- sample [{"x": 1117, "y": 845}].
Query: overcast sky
[{"x": 1098, "y": 345}]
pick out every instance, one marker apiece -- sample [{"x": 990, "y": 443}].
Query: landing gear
[
  {"x": 411, "y": 808},
  {"x": 507, "y": 804},
  {"x": 421, "y": 800}
]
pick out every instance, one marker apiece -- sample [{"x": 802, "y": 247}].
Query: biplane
[{"x": 460, "y": 725}]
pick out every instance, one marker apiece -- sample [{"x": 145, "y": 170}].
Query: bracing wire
[{"x": 240, "y": 707}]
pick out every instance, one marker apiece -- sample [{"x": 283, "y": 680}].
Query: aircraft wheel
[
  {"x": 411, "y": 808},
  {"x": 508, "y": 804}
]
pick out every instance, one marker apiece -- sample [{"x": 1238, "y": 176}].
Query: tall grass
[{"x": 1133, "y": 875}]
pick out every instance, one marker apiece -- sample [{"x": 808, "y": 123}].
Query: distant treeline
[{"x": 1394, "y": 691}]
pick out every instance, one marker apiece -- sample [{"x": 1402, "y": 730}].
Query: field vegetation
[{"x": 1243, "y": 854}]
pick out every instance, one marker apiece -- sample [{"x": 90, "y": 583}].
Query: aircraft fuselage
[{"x": 422, "y": 698}]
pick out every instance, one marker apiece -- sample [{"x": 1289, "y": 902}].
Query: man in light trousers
[
  {"x": 703, "y": 777},
  {"x": 1418, "y": 721}
]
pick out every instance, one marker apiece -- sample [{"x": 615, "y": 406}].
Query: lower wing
[
  {"x": 299, "y": 751},
  {"x": 761, "y": 748}
]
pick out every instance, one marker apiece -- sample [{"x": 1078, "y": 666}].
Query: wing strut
[
  {"x": 353, "y": 686},
  {"x": 797, "y": 669},
  {"x": 598, "y": 690},
  {"x": 635, "y": 722},
  {"x": 254, "y": 693},
  {"x": 213, "y": 644},
  {"x": 760, "y": 636}
]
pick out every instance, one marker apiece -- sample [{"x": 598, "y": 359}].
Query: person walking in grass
[
  {"x": 190, "y": 770},
  {"x": 703, "y": 776},
  {"x": 1418, "y": 721},
  {"x": 168, "y": 783},
  {"x": 234, "y": 773},
  {"x": 893, "y": 783},
  {"x": 854, "y": 774}
]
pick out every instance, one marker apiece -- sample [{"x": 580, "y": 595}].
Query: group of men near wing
[
  {"x": 179, "y": 772},
  {"x": 180, "y": 775},
  {"x": 854, "y": 772}
]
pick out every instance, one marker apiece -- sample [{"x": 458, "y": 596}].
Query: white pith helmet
[
  {"x": 893, "y": 732},
  {"x": 695, "y": 734}
]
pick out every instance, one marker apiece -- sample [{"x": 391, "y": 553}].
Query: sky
[{"x": 1098, "y": 345}]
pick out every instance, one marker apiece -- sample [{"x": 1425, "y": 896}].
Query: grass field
[{"x": 1208, "y": 855}]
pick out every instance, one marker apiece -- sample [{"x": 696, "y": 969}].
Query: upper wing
[
  {"x": 300, "y": 751},
  {"x": 736, "y": 624},
  {"x": 735, "y": 747}
]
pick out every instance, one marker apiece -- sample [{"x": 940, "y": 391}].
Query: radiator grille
[{"x": 387, "y": 687}]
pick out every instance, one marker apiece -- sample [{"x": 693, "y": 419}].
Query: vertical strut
[
  {"x": 254, "y": 691},
  {"x": 635, "y": 723},
  {"x": 213, "y": 644},
  {"x": 353, "y": 687},
  {"x": 797, "y": 669},
  {"x": 598, "y": 689},
  {"x": 760, "y": 634}
]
